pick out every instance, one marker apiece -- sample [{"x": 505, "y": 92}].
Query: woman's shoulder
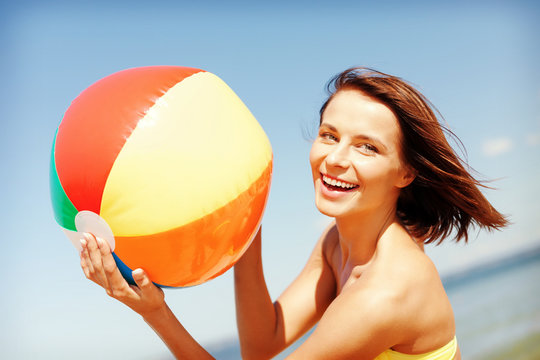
[
  {"x": 413, "y": 294},
  {"x": 398, "y": 297}
]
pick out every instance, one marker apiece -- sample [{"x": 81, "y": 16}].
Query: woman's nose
[{"x": 339, "y": 156}]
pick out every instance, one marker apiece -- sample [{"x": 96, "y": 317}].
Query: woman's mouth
[{"x": 337, "y": 184}]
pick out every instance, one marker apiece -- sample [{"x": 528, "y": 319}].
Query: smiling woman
[
  {"x": 383, "y": 169},
  {"x": 358, "y": 145}
]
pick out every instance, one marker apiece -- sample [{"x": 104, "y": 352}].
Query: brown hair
[{"x": 443, "y": 197}]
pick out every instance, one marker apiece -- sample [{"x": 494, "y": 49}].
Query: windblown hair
[{"x": 444, "y": 197}]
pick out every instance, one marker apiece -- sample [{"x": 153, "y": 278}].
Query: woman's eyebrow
[
  {"x": 357, "y": 137},
  {"x": 330, "y": 127}
]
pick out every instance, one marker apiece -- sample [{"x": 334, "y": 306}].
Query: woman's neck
[{"x": 360, "y": 234}]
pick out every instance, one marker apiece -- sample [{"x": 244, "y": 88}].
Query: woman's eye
[
  {"x": 368, "y": 148},
  {"x": 328, "y": 136}
]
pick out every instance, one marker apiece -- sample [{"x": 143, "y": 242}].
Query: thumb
[{"x": 142, "y": 280}]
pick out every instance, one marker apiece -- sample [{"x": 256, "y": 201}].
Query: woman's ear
[{"x": 408, "y": 175}]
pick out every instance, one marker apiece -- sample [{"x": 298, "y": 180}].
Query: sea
[{"x": 496, "y": 307}]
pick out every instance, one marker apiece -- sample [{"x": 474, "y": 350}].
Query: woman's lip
[
  {"x": 337, "y": 182},
  {"x": 334, "y": 192}
]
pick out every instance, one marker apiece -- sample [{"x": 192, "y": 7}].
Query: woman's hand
[{"x": 99, "y": 266}]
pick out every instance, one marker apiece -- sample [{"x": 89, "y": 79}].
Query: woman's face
[{"x": 355, "y": 159}]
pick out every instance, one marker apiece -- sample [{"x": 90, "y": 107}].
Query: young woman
[{"x": 383, "y": 169}]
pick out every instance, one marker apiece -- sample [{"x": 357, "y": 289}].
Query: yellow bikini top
[{"x": 447, "y": 352}]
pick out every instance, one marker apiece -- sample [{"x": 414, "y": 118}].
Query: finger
[
  {"x": 118, "y": 286},
  {"x": 95, "y": 259},
  {"x": 86, "y": 264},
  {"x": 144, "y": 283},
  {"x": 84, "y": 267}
]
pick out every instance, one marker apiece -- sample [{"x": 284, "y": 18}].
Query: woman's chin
[{"x": 329, "y": 208}]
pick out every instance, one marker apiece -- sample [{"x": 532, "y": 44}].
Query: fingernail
[
  {"x": 138, "y": 273},
  {"x": 99, "y": 242},
  {"x": 83, "y": 242}
]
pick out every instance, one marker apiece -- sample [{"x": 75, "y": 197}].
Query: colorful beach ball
[{"x": 169, "y": 166}]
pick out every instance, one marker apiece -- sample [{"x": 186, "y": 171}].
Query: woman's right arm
[
  {"x": 265, "y": 327},
  {"x": 146, "y": 299}
]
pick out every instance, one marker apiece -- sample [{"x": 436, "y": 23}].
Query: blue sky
[{"x": 478, "y": 63}]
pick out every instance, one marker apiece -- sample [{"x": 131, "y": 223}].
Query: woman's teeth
[{"x": 338, "y": 183}]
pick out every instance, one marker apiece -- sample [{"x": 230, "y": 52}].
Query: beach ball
[{"x": 169, "y": 166}]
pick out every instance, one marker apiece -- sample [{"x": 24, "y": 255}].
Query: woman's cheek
[
  {"x": 369, "y": 169},
  {"x": 316, "y": 157}
]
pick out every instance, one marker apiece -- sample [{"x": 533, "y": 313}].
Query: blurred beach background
[{"x": 477, "y": 61}]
